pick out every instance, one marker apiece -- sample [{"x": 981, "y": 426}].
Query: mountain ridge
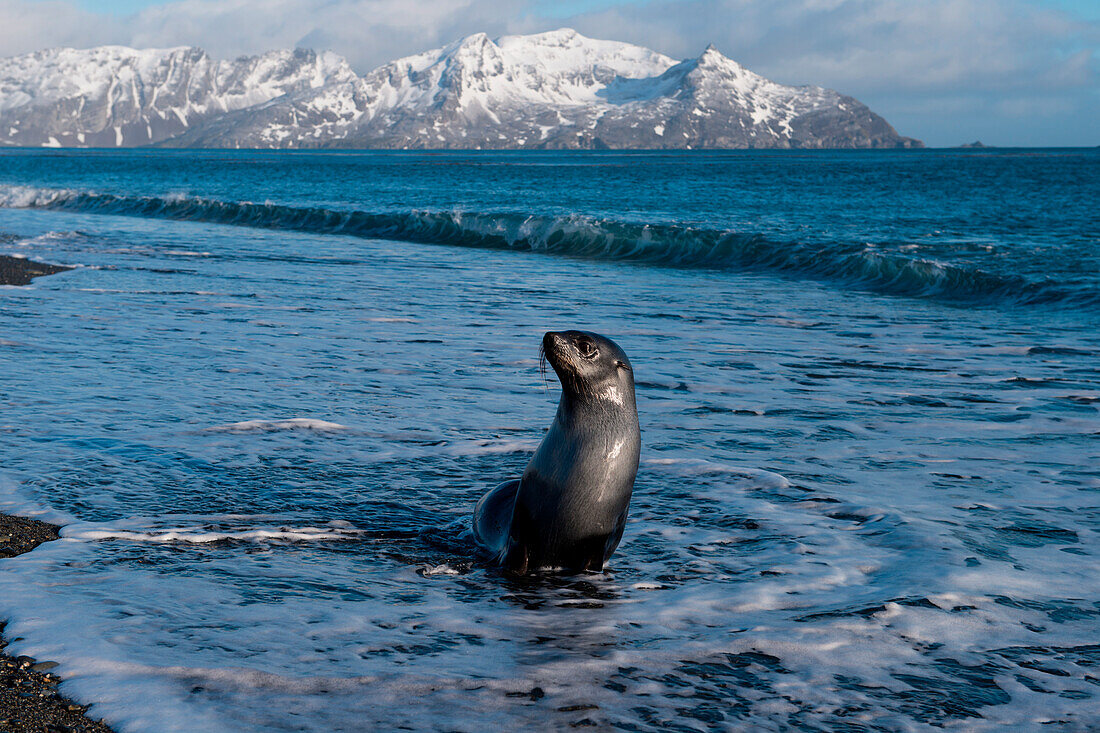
[{"x": 553, "y": 90}]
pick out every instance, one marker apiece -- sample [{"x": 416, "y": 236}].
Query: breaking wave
[{"x": 855, "y": 265}]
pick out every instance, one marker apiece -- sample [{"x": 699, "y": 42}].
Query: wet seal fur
[{"x": 569, "y": 508}]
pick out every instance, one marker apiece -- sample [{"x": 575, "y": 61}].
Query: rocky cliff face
[{"x": 551, "y": 90}]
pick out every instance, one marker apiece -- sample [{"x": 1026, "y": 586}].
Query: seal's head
[{"x": 590, "y": 366}]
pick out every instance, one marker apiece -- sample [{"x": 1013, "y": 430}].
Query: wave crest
[{"x": 854, "y": 265}]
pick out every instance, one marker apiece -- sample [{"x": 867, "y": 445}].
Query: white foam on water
[
  {"x": 202, "y": 535},
  {"x": 267, "y": 426},
  {"x": 133, "y": 638},
  {"x": 747, "y": 475},
  {"x": 491, "y": 447},
  {"x": 27, "y": 197},
  {"x": 444, "y": 569},
  {"x": 15, "y": 502}
]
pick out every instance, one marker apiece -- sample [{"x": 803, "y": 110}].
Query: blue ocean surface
[{"x": 265, "y": 400}]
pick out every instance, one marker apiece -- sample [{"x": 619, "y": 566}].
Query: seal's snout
[
  {"x": 555, "y": 340},
  {"x": 553, "y": 347},
  {"x": 551, "y": 339},
  {"x": 559, "y": 349}
]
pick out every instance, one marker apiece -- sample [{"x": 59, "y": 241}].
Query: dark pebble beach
[
  {"x": 29, "y": 700},
  {"x": 19, "y": 271}
]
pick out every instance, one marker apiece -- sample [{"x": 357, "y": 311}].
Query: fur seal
[{"x": 569, "y": 508}]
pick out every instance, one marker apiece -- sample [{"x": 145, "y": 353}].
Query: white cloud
[
  {"x": 367, "y": 32},
  {"x": 27, "y": 26},
  {"x": 870, "y": 44}
]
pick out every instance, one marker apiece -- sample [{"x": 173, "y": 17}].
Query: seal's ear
[{"x": 622, "y": 365}]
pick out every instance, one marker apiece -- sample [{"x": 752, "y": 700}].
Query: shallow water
[{"x": 870, "y": 484}]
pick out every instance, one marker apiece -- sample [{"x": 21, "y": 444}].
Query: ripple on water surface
[{"x": 853, "y": 511}]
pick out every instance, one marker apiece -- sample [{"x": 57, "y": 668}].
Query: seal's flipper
[
  {"x": 493, "y": 517},
  {"x": 515, "y": 559},
  {"x": 589, "y": 555},
  {"x": 615, "y": 537}
]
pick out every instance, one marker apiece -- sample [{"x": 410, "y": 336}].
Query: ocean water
[{"x": 265, "y": 401}]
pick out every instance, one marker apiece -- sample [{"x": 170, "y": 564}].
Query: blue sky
[{"x": 1007, "y": 72}]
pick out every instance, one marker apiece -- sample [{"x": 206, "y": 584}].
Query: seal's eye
[{"x": 587, "y": 349}]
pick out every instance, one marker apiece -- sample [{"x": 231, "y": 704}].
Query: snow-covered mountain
[
  {"x": 549, "y": 90},
  {"x": 116, "y": 96}
]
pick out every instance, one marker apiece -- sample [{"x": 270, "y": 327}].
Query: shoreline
[
  {"x": 19, "y": 271},
  {"x": 29, "y": 700}
]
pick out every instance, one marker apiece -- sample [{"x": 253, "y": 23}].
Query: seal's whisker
[{"x": 542, "y": 367}]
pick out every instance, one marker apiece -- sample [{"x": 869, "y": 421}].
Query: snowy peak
[
  {"x": 114, "y": 95},
  {"x": 711, "y": 56},
  {"x": 557, "y": 89},
  {"x": 558, "y": 67},
  {"x": 712, "y": 66},
  {"x": 277, "y": 72},
  {"x": 566, "y": 52},
  {"x": 472, "y": 67}
]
